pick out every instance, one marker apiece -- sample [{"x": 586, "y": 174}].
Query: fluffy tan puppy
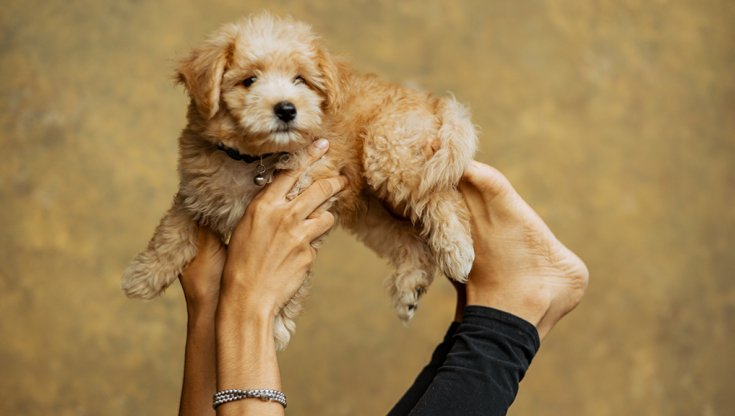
[{"x": 261, "y": 90}]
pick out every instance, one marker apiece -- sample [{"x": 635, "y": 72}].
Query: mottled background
[{"x": 615, "y": 119}]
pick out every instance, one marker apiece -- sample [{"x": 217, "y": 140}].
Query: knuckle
[
  {"x": 329, "y": 219},
  {"x": 292, "y": 215},
  {"x": 259, "y": 207},
  {"x": 325, "y": 186},
  {"x": 312, "y": 255},
  {"x": 315, "y": 152},
  {"x": 304, "y": 243},
  {"x": 297, "y": 238}
]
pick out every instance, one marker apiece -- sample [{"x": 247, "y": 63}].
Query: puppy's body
[{"x": 403, "y": 151}]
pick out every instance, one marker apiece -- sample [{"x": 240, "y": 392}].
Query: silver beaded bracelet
[{"x": 267, "y": 395}]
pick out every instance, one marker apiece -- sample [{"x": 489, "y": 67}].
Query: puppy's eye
[
  {"x": 249, "y": 81},
  {"x": 299, "y": 80}
]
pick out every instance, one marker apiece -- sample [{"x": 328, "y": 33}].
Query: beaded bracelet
[{"x": 267, "y": 395}]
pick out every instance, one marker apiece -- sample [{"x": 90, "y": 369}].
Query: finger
[
  {"x": 317, "y": 226},
  {"x": 285, "y": 180},
  {"x": 318, "y": 193}
]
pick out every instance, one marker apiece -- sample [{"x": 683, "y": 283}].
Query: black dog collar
[
  {"x": 263, "y": 175},
  {"x": 235, "y": 155}
]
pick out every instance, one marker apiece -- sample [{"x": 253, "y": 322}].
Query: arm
[
  {"x": 269, "y": 255},
  {"x": 523, "y": 281},
  {"x": 266, "y": 261},
  {"x": 426, "y": 376},
  {"x": 200, "y": 282}
]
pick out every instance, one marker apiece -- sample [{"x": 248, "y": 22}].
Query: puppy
[{"x": 261, "y": 90}]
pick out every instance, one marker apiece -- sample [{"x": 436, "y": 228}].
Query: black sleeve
[
  {"x": 426, "y": 376},
  {"x": 489, "y": 355}
]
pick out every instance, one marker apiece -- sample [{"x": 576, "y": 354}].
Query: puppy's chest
[
  {"x": 219, "y": 195},
  {"x": 219, "y": 198}
]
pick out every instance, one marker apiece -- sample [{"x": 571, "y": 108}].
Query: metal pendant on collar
[
  {"x": 259, "y": 178},
  {"x": 262, "y": 174}
]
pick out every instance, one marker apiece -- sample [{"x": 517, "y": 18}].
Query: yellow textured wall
[{"x": 615, "y": 119}]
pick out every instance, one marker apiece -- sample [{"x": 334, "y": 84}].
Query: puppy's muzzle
[{"x": 285, "y": 111}]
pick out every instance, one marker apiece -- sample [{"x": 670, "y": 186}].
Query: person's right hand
[
  {"x": 200, "y": 280},
  {"x": 270, "y": 249},
  {"x": 520, "y": 267}
]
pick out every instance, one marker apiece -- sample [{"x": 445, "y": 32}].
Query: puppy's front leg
[{"x": 172, "y": 247}]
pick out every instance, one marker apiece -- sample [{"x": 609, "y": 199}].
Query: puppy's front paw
[
  {"x": 144, "y": 278},
  {"x": 455, "y": 260}
]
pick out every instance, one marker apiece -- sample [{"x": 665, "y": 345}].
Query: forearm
[
  {"x": 200, "y": 381},
  {"x": 426, "y": 376},
  {"x": 490, "y": 354},
  {"x": 414, "y": 393},
  {"x": 246, "y": 357}
]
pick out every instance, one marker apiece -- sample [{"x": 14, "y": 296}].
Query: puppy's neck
[{"x": 236, "y": 155}]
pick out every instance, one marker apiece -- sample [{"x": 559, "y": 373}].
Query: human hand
[
  {"x": 200, "y": 280},
  {"x": 270, "y": 249},
  {"x": 520, "y": 266}
]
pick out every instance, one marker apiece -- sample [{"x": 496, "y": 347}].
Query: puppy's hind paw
[
  {"x": 456, "y": 260},
  {"x": 407, "y": 302}
]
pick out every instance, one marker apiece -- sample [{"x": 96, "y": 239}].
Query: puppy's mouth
[{"x": 282, "y": 128}]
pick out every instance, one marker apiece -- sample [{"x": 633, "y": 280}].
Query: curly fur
[{"x": 403, "y": 151}]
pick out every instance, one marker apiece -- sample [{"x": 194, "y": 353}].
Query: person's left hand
[{"x": 200, "y": 280}]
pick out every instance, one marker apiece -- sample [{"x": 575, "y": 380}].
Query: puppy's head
[{"x": 261, "y": 84}]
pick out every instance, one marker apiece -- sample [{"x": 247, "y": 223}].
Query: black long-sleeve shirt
[{"x": 476, "y": 369}]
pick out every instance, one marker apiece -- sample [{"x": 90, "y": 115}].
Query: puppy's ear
[
  {"x": 201, "y": 72},
  {"x": 331, "y": 73}
]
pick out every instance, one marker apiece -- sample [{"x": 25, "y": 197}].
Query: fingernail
[{"x": 321, "y": 144}]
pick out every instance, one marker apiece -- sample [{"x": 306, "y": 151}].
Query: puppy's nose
[{"x": 285, "y": 111}]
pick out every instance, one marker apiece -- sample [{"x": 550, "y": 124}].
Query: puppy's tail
[{"x": 454, "y": 148}]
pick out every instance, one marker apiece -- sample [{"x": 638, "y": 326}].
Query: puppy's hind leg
[
  {"x": 172, "y": 247},
  {"x": 397, "y": 241},
  {"x": 445, "y": 223},
  {"x": 417, "y": 164}
]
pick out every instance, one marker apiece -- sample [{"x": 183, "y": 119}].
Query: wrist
[
  {"x": 236, "y": 309},
  {"x": 246, "y": 351},
  {"x": 236, "y": 297},
  {"x": 201, "y": 303},
  {"x": 198, "y": 309},
  {"x": 238, "y": 328},
  {"x": 200, "y": 315}
]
